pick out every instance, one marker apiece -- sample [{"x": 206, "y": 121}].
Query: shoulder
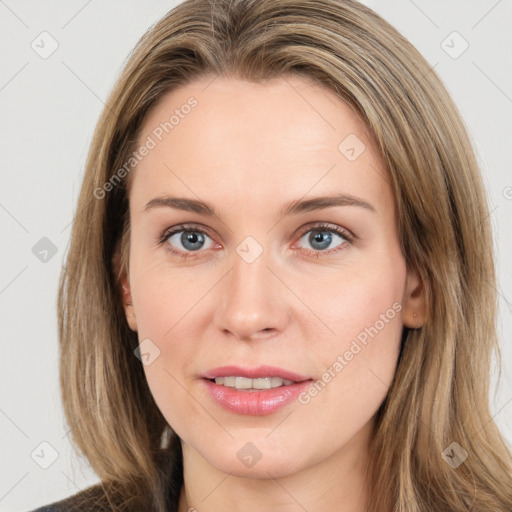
[{"x": 91, "y": 498}]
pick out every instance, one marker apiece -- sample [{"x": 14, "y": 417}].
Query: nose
[{"x": 253, "y": 303}]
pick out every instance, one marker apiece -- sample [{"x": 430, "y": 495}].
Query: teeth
[{"x": 245, "y": 383}]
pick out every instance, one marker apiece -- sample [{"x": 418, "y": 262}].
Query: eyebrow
[{"x": 294, "y": 208}]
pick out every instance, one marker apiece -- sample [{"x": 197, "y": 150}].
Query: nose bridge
[{"x": 252, "y": 300}]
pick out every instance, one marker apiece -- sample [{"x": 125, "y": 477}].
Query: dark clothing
[{"x": 94, "y": 498}]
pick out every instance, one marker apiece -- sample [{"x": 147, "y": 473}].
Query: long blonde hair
[{"x": 440, "y": 393}]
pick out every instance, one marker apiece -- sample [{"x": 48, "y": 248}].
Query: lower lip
[{"x": 255, "y": 403}]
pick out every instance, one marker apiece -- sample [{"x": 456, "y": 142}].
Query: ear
[
  {"x": 125, "y": 290},
  {"x": 414, "y": 301}
]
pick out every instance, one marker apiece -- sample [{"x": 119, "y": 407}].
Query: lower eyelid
[
  {"x": 164, "y": 239},
  {"x": 345, "y": 241}
]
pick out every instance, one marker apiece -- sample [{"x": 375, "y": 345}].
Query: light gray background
[{"x": 49, "y": 108}]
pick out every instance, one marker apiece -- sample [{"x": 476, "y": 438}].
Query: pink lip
[
  {"x": 254, "y": 403},
  {"x": 254, "y": 373}
]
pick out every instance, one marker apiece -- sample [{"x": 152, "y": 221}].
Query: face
[{"x": 237, "y": 269}]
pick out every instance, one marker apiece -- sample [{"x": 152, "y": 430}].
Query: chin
[{"x": 257, "y": 458}]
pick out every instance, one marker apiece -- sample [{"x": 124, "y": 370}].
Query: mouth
[
  {"x": 245, "y": 384},
  {"x": 259, "y": 377},
  {"x": 254, "y": 391}
]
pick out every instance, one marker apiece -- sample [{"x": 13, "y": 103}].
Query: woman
[{"x": 280, "y": 292}]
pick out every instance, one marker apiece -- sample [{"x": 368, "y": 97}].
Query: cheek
[
  {"x": 353, "y": 299},
  {"x": 362, "y": 309},
  {"x": 164, "y": 296},
  {"x": 163, "y": 322},
  {"x": 168, "y": 307}
]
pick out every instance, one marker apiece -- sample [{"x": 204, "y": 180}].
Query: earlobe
[
  {"x": 128, "y": 304},
  {"x": 125, "y": 293},
  {"x": 414, "y": 302}
]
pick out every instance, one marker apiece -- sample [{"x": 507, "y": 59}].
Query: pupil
[
  {"x": 321, "y": 236},
  {"x": 191, "y": 238}
]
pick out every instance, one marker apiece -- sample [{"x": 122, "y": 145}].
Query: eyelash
[{"x": 321, "y": 226}]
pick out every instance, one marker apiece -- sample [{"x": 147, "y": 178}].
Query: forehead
[{"x": 286, "y": 136}]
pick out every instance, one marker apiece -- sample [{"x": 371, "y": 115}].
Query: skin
[{"x": 250, "y": 149}]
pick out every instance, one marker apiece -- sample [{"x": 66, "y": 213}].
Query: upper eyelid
[
  {"x": 326, "y": 226},
  {"x": 166, "y": 233}
]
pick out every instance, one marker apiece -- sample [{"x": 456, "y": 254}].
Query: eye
[
  {"x": 184, "y": 240},
  {"x": 326, "y": 238}
]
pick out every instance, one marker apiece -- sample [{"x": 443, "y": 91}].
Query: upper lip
[{"x": 255, "y": 372}]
